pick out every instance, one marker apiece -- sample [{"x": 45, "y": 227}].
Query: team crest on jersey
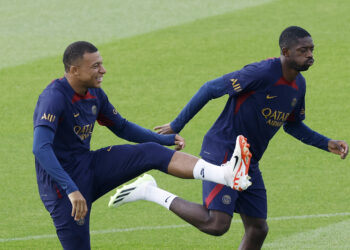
[
  {"x": 94, "y": 109},
  {"x": 226, "y": 199},
  {"x": 115, "y": 111},
  {"x": 294, "y": 102},
  {"x": 236, "y": 86}
]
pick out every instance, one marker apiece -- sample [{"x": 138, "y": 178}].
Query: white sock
[
  {"x": 159, "y": 196},
  {"x": 206, "y": 171}
]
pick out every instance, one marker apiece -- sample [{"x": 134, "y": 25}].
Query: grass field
[{"x": 157, "y": 54}]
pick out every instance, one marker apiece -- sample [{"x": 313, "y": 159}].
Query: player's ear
[
  {"x": 285, "y": 52},
  {"x": 74, "y": 70}
]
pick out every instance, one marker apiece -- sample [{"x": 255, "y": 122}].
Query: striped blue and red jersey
[
  {"x": 260, "y": 102},
  {"x": 71, "y": 119}
]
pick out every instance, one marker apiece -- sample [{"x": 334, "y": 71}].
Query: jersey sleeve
[
  {"x": 210, "y": 90},
  {"x": 248, "y": 78},
  {"x": 233, "y": 84},
  {"x": 42, "y": 149},
  {"x": 296, "y": 127},
  {"x": 303, "y": 133},
  {"x": 49, "y": 109}
]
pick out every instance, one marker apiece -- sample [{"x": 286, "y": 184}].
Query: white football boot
[
  {"x": 132, "y": 192},
  {"x": 236, "y": 174}
]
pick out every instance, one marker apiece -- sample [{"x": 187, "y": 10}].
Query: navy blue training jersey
[
  {"x": 260, "y": 102},
  {"x": 72, "y": 117}
]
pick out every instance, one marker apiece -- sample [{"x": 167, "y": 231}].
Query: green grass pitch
[{"x": 156, "y": 57}]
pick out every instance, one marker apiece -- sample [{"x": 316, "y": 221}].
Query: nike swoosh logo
[
  {"x": 166, "y": 200},
  {"x": 202, "y": 172},
  {"x": 271, "y": 97},
  {"x": 76, "y": 115},
  {"x": 236, "y": 160}
]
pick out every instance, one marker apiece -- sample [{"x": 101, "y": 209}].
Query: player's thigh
[
  {"x": 219, "y": 197},
  {"x": 253, "y": 201},
  {"x": 72, "y": 234},
  {"x": 118, "y": 164}
]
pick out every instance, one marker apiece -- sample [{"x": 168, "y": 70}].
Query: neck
[
  {"x": 75, "y": 84},
  {"x": 288, "y": 73}
]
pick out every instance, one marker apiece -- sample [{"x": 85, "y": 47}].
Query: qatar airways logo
[
  {"x": 83, "y": 132},
  {"x": 274, "y": 118}
]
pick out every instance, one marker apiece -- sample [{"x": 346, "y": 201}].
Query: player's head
[
  {"x": 297, "y": 48},
  {"x": 83, "y": 62}
]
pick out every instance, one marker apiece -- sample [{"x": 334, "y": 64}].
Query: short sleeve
[
  {"x": 48, "y": 109},
  {"x": 246, "y": 79}
]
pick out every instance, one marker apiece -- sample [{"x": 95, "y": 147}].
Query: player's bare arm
[{"x": 338, "y": 147}]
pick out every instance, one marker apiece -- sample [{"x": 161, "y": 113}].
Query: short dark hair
[
  {"x": 76, "y": 51},
  {"x": 291, "y": 35}
]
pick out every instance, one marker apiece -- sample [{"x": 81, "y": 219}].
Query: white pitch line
[
  {"x": 310, "y": 216},
  {"x": 93, "y": 232},
  {"x": 146, "y": 228}
]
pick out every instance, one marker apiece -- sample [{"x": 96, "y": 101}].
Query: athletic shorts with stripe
[
  {"x": 96, "y": 173},
  {"x": 251, "y": 202}
]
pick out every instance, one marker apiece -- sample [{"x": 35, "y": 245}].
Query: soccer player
[
  {"x": 263, "y": 96},
  {"x": 70, "y": 177}
]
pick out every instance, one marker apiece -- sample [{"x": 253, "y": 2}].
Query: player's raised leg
[
  {"x": 144, "y": 188},
  {"x": 234, "y": 174}
]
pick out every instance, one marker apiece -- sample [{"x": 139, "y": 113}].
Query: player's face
[
  {"x": 90, "y": 70},
  {"x": 300, "y": 55}
]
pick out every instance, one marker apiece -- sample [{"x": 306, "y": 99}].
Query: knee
[
  {"x": 219, "y": 230},
  {"x": 216, "y": 227},
  {"x": 266, "y": 229},
  {"x": 258, "y": 230},
  {"x": 263, "y": 229}
]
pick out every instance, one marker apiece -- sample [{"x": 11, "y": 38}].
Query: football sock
[
  {"x": 206, "y": 171},
  {"x": 159, "y": 196}
]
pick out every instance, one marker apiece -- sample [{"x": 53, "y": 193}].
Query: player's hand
[
  {"x": 164, "y": 129},
  {"x": 179, "y": 143},
  {"x": 338, "y": 147},
  {"x": 79, "y": 207}
]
